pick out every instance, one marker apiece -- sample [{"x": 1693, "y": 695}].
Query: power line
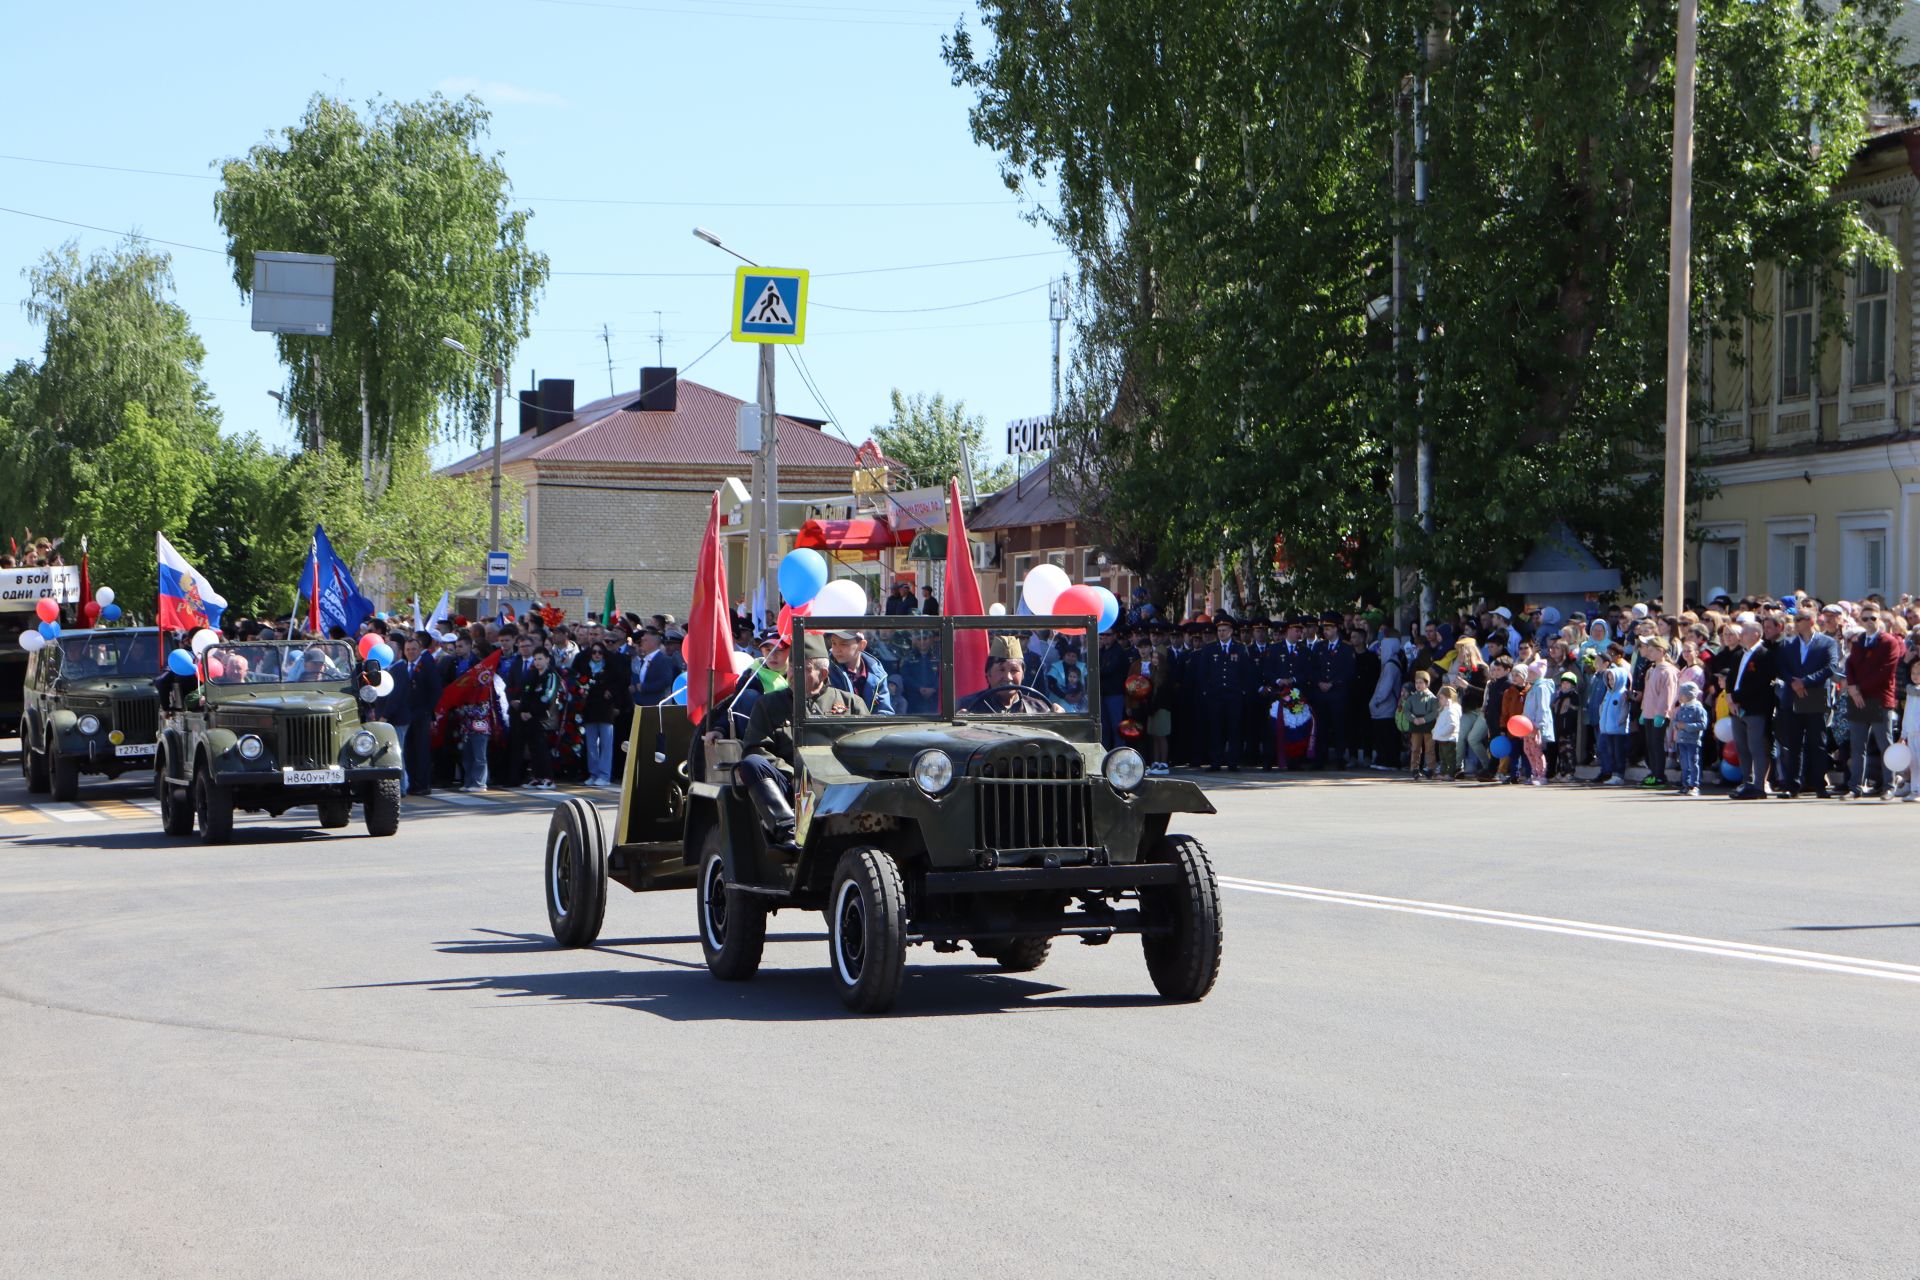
[
  {"x": 113, "y": 231},
  {"x": 952, "y": 306},
  {"x": 716, "y": 13}
]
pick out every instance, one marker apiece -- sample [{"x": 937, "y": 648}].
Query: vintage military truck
[
  {"x": 952, "y": 824},
  {"x": 89, "y": 707},
  {"x": 274, "y": 726}
]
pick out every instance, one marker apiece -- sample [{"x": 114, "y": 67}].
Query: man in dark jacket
[
  {"x": 1754, "y": 701},
  {"x": 654, "y": 671},
  {"x": 1226, "y": 679},
  {"x": 423, "y": 695},
  {"x": 1329, "y": 695},
  {"x": 1116, "y": 659},
  {"x": 1873, "y": 682},
  {"x": 1808, "y": 663}
]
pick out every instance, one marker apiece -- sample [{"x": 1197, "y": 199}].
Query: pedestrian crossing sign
[{"x": 770, "y": 305}]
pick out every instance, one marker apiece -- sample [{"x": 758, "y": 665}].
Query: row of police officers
[{"x": 1228, "y": 688}]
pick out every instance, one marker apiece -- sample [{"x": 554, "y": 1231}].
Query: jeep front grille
[
  {"x": 306, "y": 742},
  {"x": 137, "y": 719},
  {"x": 1033, "y": 799}
]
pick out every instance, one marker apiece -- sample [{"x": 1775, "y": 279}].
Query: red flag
[
  {"x": 86, "y": 582},
  {"x": 466, "y": 689},
  {"x": 708, "y": 649},
  {"x": 313, "y": 600},
  {"x": 962, "y": 600}
]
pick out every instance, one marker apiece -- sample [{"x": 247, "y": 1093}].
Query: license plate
[
  {"x": 134, "y": 749},
  {"x": 313, "y": 777}
]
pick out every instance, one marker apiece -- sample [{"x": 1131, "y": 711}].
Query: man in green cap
[
  {"x": 766, "y": 772},
  {"x": 1005, "y": 693}
]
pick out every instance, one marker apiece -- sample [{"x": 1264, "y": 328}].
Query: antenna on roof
[
  {"x": 607, "y": 337},
  {"x": 659, "y": 340}
]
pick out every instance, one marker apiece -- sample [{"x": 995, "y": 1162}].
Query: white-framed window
[
  {"x": 1796, "y": 334},
  {"x": 1723, "y": 560},
  {"x": 1872, "y": 286},
  {"x": 1790, "y": 556},
  {"x": 1866, "y": 552}
]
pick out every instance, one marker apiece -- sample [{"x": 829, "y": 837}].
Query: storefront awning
[{"x": 851, "y": 535}]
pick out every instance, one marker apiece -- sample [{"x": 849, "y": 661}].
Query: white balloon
[
  {"x": 996, "y": 610},
  {"x": 203, "y": 639},
  {"x": 1723, "y": 728},
  {"x": 841, "y": 598},
  {"x": 384, "y": 685},
  {"x": 1043, "y": 586},
  {"x": 32, "y": 641},
  {"x": 742, "y": 662},
  {"x": 103, "y": 597},
  {"x": 1897, "y": 757}
]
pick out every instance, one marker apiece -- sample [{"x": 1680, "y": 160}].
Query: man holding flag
[{"x": 187, "y": 600}]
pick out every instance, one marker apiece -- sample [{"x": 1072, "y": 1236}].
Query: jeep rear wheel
[
  {"x": 576, "y": 879},
  {"x": 1183, "y": 958},
  {"x": 176, "y": 813},
  {"x": 867, "y": 930},
  {"x": 335, "y": 811},
  {"x": 733, "y": 925},
  {"x": 213, "y": 806},
  {"x": 1015, "y": 955},
  {"x": 383, "y": 807},
  {"x": 34, "y": 765}
]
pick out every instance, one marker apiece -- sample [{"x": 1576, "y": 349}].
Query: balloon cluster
[
  {"x": 372, "y": 646},
  {"x": 101, "y": 608},
  {"x": 1049, "y": 590},
  {"x": 803, "y": 581}
]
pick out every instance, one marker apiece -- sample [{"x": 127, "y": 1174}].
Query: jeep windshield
[
  {"x": 323, "y": 661},
  {"x": 110, "y": 653}
]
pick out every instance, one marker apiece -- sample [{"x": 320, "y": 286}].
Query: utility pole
[
  {"x": 770, "y": 477},
  {"x": 1423, "y": 442},
  {"x": 499, "y": 412},
  {"x": 606, "y": 336},
  {"x": 1406, "y": 577},
  {"x": 1673, "y": 553},
  {"x": 1057, "y": 313},
  {"x": 313, "y": 404},
  {"x": 659, "y": 340}
]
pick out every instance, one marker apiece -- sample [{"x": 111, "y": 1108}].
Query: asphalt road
[{"x": 1459, "y": 1032}]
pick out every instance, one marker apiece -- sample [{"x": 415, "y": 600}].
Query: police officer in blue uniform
[
  {"x": 1227, "y": 679},
  {"x": 1328, "y": 694}
]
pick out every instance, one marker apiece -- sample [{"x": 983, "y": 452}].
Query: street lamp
[
  {"x": 763, "y": 528},
  {"x": 499, "y": 409}
]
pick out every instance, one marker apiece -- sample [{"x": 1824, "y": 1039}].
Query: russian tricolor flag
[{"x": 187, "y": 599}]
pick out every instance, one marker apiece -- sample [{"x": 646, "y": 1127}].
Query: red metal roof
[{"x": 700, "y": 432}]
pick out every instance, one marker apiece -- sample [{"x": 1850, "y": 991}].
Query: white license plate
[
  {"x": 313, "y": 777},
  {"x": 134, "y": 749}
]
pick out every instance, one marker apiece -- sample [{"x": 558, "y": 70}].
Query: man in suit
[
  {"x": 1808, "y": 662},
  {"x": 1754, "y": 701},
  {"x": 655, "y": 671},
  {"x": 515, "y": 671},
  {"x": 423, "y": 696},
  {"x": 1227, "y": 678}
]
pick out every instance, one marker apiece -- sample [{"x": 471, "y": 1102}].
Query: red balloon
[
  {"x": 1729, "y": 753},
  {"x": 1075, "y": 602},
  {"x": 215, "y": 668},
  {"x": 367, "y": 642},
  {"x": 1520, "y": 726},
  {"x": 1128, "y": 729},
  {"x": 91, "y": 611},
  {"x": 48, "y": 610},
  {"x": 784, "y": 623}
]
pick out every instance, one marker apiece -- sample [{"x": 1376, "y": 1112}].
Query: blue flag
[{"x": 337, "y": 599}]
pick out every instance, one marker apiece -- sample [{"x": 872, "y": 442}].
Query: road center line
[{"x": 1821, "y": 961}]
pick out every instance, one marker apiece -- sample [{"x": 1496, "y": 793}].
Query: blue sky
[{"x": 747, "y": 115}]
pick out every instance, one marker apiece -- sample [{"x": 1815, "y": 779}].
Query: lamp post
[
  {"x": 499, "y": 409},
  {"x": 1673, "y": 551},
  {"x": 763, "y": 529}
]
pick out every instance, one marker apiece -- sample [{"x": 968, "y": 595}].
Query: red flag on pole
[
  {"x": 462, "y": 691},
  {"x": 708, "y": 649},
  {"x": 963, "y": 601},
  {"x": 86, "y": 581},
  {"x": 313, "y": 600}
]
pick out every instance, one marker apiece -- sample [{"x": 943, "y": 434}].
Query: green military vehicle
[
  {"x": 273, "y": 726},
  {"x": 89, "y": 707},
  {"x": 995, "y": 821},
  {"x": 21, "y": 591}
]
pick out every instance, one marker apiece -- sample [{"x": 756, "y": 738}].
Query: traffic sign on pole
[
  {"x": 770, "y": 305},
  {"x": 497, "y": 566}
]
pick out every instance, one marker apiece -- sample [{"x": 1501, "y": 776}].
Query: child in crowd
[
  {"x": 1423, "y": 709},
  {"x": 1446, "y": 732},
  {"x": 1657, "y": 699},
  {"x": 1616, "y": 718},
  {"x": 1689, "y": 727},
  {"x": 1514, "y": 703},
  {"x": 1566, "y": 724},
  {"x": 1539, "y": 709}
]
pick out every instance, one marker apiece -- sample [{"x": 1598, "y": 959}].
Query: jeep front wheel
[
  {"x": 383, "y": 807},
  {"x": 34, "y": 765},
  {"x": 66, "y": 774},
  {"x": 867, "y": 930},
  {"x": 176, "y": 813},
  {"x": 733, "y": 925},
  {"x": 213, "y": 805},
  {"x": 1183, "y": 953}
]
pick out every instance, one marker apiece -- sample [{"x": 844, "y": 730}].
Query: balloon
[
  {"x": 384, "y": 685},
  {"x": 1898, "y": 757},
  {"x": 103, "y": 597},
  {"x": 742, "y": 662},
  {"x": 1501, "y": 748},
  {"x": 367, "y": 642},
  {"x": 784, "y": 623},
  {"x": 1723, "y": 728},
  {"x": 1731, "y": 772},
  {"x": 842, "y": 599},
  {"x": 1043, "y": 586},
  {"x": 381, "y": 653},
  {"x": 678, "y": 696},
  {"x": 1075, "y": 602},
  {"x": 47, "y": 610},
  {"x": 215, "y": 668},
  {"x": 32, "y": 641},
  {"x": 996, "y": 610},
  {"x": 49, "y": 629},
  {"x": 1519, "y": 726},
  {"x": 90, "y": 611},
  {"x": 1109, "y": 607},
  {"x": 803, "y": 571},
  {"x": 180, "y": 662},
  {"x": 109, "y": 612},
  {"x": 202, "y": 640},
  {"x": 1127, "y": 729}
]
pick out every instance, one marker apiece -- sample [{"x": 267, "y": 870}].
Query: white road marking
[
  {"x": 1823, "y": 961},
  {"x": 470, "y": 799},
  {"x": 65, "y": 812}
]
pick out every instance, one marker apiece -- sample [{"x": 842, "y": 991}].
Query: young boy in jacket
[{"x": 1423, "y": 709}]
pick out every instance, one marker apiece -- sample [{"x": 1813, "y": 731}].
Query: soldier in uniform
[
  {"x": 766, "y": 772},
  {"x": 1329, "y": 694},
  {"x": 1257, "y": 732},
  {"x": 1006, "y": 694},
  {"x": 1226, "y": 678}
]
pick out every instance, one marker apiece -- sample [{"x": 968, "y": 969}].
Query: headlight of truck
[
  {"x": 364, "y": 743},
  {"x": 1124, "y": 768},
  {"x": 250, "y": 747},
  {"x": 933, "y": 772},
  {"x": 89, "y": 725}
]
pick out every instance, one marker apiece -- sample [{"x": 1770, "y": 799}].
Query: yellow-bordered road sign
[{"x": 770, "y": 304}]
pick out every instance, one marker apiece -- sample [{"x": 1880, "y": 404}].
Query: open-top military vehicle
[
  {"x": 89, "y": 707},
  {"x": 273, "y": 726},
  {"x": 949, "y": 823}
]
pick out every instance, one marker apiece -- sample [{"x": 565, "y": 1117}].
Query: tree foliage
[
  {"x": 1225, "y": 176},
  {"x": 142, "y": 480},
  {"x": 435, "y": 530},
  {"x": 928, "y": 436},
  {"x": 428, "y": 247}
]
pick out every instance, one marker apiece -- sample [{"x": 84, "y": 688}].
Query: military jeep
[
  {"x": 948, "y": 824},
  {"x": 272, "y": 727},
  {"x": 88, "y": 707}
]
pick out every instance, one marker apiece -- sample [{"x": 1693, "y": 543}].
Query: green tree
[
  {"x": 418, "y": 217},
  {"x": 144, "y": 479},
  {"x": 928, "y": 436},
  {"x": 435, "y": 530},
  {"x": 250, "y": 526}
]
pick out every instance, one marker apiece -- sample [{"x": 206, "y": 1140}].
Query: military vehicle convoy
[
  {"x": 88, "y": 707},
  {"x": 954, "y": 824}
]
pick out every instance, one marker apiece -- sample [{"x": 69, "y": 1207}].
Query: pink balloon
[
  {"x": 1520, "y": 727},
  {"x": 215, "y": 668}
]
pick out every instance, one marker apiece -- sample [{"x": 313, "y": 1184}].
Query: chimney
[
  {"x": 659, "y": 390},
  {"x": 529, "y": 410},
  {"x": 556, "y": 403}
]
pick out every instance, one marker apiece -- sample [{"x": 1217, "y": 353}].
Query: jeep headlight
[
  {"x": 89, "y": 725},
  {"x": 933, "y": 771},
  {"x": 1124, "y": 768},
  {"x": 250, "y": 747},
  {"x": 364, "y": 743}
]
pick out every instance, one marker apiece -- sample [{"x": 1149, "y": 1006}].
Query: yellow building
[{"x": 1807, "y": 429}]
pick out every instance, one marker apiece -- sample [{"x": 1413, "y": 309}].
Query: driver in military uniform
[
  {"x": 766, "y": 772},
  {"x": 1005, "y": 695}
]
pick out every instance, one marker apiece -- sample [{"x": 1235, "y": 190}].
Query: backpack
[{"x": 1402, "y": 719}]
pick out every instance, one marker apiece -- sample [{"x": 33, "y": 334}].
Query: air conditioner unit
[{"x": 986, "y": 555}]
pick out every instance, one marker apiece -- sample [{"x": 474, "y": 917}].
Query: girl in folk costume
[{"x": 1293, "y": 728}]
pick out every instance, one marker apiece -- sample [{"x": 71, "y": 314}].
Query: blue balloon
[
  {"x": 679, "y": 695},
  {"x": 1109, "y": 607},
  {"x": 1020, "y": 609},
  {"x": 109, "y": 613},
  {"x": 50, "y": 629},
  {"x": 1502, "y": 747},
  {"x": 382, "y": 653},
  {"x": 803, "y": 571},
  {"x": 180, "y": 662},
  {"x": 1731, "y": 772}
]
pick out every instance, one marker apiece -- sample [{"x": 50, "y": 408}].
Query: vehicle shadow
[{"x": 133, "y": 840}]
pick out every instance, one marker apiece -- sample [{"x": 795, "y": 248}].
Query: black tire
[
  {"x": 176, "y": 809},
  {"x": 65, "y": 773},
  {"x": 733, "y": 925},
  {"x": 213, "y": 807},
  {"x": 867, "y": 930},
  {"x": 34, "y": 765},
  {"x": 1184, "y": 961},
  {"x": 1015, "y": 955},
  {"x": 576, "y": 878},
  {"x": 335, "y": 811},
  {"x": 383, "y": 807}
]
